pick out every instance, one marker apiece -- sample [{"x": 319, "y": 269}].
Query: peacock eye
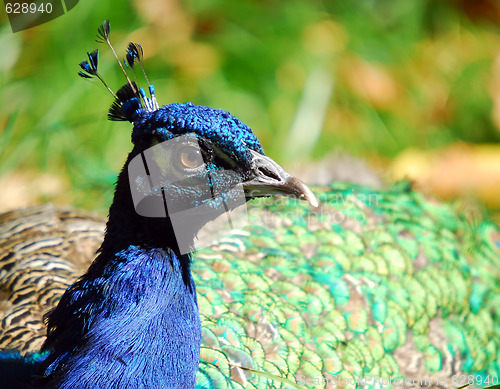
[{"x": 190, "y": 157}]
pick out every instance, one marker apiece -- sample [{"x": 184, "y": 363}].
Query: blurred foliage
[{"x": 371, "y": 77}]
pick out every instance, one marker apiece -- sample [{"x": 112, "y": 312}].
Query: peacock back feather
[
  {"x": 371, "y": 284},
  {"x": 43, "y": 250}
]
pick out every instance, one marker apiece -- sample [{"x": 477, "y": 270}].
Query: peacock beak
[{"x": 268, "y": 179}]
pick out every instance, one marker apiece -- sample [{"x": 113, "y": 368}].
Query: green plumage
[{"x": 373, "y": 283}]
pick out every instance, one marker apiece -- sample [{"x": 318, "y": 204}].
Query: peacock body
[{"x": 370, "y": 288}]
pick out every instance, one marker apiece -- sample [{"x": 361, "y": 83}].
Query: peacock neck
[
  {"x": 132, "y": 320},
  {"x": 126, "y": 228}
]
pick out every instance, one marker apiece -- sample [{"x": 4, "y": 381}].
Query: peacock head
[{"x": 190, "y": 163}]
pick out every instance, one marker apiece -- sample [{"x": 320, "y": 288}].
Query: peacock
[
  {"x": 354, "y": 287},
  {"x": 132, "y": 319}
]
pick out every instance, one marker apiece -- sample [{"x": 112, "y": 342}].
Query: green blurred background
[{"x": 412, "y": 87}]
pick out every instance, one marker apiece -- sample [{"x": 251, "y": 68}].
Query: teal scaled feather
[{"x": 373, "y": 287}]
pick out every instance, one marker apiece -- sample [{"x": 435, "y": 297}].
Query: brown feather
[{"x": 43, "y": 250}]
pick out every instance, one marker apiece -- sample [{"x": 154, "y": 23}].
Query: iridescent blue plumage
[
  {"x": 125, "y": 324},
  {"x": 229, "y": 134}
]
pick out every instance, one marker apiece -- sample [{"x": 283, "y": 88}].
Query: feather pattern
[{"x": 43, "y": 250}]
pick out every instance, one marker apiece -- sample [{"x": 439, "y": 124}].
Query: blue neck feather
[
  {"x": 132, "y": 320},
  {"x": 141, "y": 326}
]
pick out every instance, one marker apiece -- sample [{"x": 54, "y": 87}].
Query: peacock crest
[{"x": 131, "y": 102}]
